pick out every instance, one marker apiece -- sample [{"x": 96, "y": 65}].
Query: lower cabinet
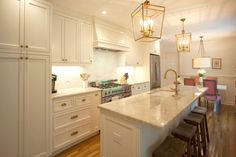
[
  {"x": 140, "y": 88},
  {"x": 25, "y": 105},
  {"x": 119, "y": 137},
  {"x": 74, "y": 118}
]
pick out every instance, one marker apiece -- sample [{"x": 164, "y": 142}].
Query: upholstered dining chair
[
  {"x": 189, "y": 82},
  {"x": 211, "y": 78},
  {"x": 212, "y": 93},
  {"x": 196, "y": 79}
]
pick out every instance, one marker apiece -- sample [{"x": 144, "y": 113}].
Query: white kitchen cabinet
[
  {"x": 140, "y": 88},
  {"x": 25, "y": 24},
  {"x": 11, "y": 24},
  {"x": 74, "y": 118},
  {"x": 71, "y": 51},
  {"x": 72, "y": 40},
  {"x": 135, "y": 56},
  {"x": 86, "y": 43},
  {"x": 11, "y": 99},
  {"x": 65, "y": 40},
  {"x": 119, "y": 137},
  {"x": 24, "y": 94}
]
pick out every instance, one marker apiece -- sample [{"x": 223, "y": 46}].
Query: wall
[{"x": 217, "y": 47}]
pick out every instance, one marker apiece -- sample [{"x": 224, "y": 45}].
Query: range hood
[{"x": 109, "y": 37}]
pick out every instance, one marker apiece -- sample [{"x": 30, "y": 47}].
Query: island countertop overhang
[{"x": 157, "y": 107}]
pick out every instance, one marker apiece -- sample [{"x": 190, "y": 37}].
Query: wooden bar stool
[
  {"x": 187, "y": 133},
  {"x": 171, "y": 147},
  {"x": 202, "y": 111},
  {"x": 198, "y": 121}
]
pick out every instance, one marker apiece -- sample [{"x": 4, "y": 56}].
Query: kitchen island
[{"x": 135, "y": 126}]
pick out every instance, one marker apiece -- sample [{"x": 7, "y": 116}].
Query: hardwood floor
[
  {"x": 88, "y": 148},
  {"x": 222, "y": 129}
]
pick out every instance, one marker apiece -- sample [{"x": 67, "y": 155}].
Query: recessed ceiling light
[{"x": 104, "y": 12}]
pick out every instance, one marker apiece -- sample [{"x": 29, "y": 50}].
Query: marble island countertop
[
  {"x": 157, "y": 107},
  {"x": 73, "y": 91}
]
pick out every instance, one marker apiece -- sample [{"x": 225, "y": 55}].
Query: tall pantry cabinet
[{"x": 25, "y": 78}]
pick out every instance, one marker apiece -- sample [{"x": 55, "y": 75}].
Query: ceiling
[{"x": 200, "y": 14}]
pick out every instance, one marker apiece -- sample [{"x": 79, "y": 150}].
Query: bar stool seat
[
  {"x": 171, "y": 147},
  {"x": 199, "y": 109},
  {"x": 186, "y": 133}
]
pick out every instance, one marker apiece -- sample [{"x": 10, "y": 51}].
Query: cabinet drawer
[
  {"x": 97, "y": 98},
  {"x": 145, "y": 87},
  {"x": 65, "y": 138},
  {"x": 62, "y": 104},
  {"x": 83, "y": 100},
  {"x": 71, "y": 118}
]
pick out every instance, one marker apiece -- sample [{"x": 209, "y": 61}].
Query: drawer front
[
  {"x": 70, "y": 136},
  {"x": 97, "y": 98},
  {"x": 71, "y": 118},
  {"x": 62, "y": 104},
  {"x": 146, "y": 87},
  {"x": 83, "y": 100}
]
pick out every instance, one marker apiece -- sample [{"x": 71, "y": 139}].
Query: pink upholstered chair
[
  {"x": 189, "y": 82},
  {"x": 196, "y": 79},
  {"x": 212, "y": 93}
]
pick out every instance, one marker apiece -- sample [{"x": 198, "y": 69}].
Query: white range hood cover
[{"x": 109, "y": 37}]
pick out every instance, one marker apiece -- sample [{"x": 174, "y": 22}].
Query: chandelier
[
  {"x": 201, "y": 61},
  {"x": 183, "y": 40},
  {"x": 147, "y": 22}
]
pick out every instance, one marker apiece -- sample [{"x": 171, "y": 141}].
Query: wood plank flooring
[{"x": 222, "y": 128}]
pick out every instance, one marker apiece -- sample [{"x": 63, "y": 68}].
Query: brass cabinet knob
[
  {"x": 83, "y": 100},
  {"x": 26, "y": 46},
  {"x": 21, "y": 46},
  {"x": 21, "y": 58},
  {"x": 74, "y": 117},
  {"x": 63, "y": 104},
  {"x": 74, "y": 133}
]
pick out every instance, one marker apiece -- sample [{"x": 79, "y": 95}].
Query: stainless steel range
[{"x": 111, "y": 90}]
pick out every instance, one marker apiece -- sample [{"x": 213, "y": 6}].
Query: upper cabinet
[
  {"x": 71, "y": 41},
  {"x": 135, "y": 56},
  {"x": 25, "y": 24},
  {"x": 86, "y": 44},
  {"x": 64, "y": 39}
]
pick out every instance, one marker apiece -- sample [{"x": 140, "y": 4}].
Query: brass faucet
[{"x": 175, "y": 82}]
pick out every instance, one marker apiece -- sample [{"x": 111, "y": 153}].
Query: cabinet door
[
  {"x": 86, "y": 44},
  {"x": 11, "y": 24},
  {"x": 71, "y": 53},
  {"x": 37, "y": 26},
  {"x": 135, "y": 57},
  {"x": 119, "y": 139},
  {"x": 58, "y": 39},
  {"x": 96, "y": 111},
  {"x": 36, "y": 109},
  {"x": 11, "y": 81}
]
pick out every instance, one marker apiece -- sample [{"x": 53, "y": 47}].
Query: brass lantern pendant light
[
  {"x": 147, "y": 22},
  {"x": 183, "y": 40}
]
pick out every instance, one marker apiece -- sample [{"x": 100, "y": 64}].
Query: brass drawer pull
[
  {"x": 64, "y": 104},
  {"x": 74, "y": 133},
  {"x": 96, "y": 94},
  {"x": 73, "y": 117},
  {"x": 83, "y": 100}
]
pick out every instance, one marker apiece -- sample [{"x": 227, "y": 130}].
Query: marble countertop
[
  {"x": 132, "y": 82},
  {"x": 73, "y": 91},
  {"x": 157, "y": 107}
]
